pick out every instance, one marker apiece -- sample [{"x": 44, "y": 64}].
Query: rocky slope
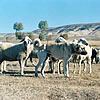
[{"x": 89, "y": 31}]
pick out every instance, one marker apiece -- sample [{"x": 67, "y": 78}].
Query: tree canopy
[
  {"x": 43, "y": 25},
  {"x": 18, "y": 26}
]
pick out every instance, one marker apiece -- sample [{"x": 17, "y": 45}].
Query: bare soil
[{"x": 82, "y": 86}]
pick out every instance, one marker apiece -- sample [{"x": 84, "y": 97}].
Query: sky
[{"x": 55, "y": 12}]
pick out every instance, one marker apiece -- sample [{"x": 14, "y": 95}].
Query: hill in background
[{"x": 90, "y": 31}]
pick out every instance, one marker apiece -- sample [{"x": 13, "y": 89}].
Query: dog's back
[{"x": 56, "y": 50}]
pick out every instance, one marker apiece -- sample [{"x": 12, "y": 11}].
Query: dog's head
[
  {"x": 83, "y": 41},
  {"x": 79, "y": 48},
  {"x": 27, "y": 42},
  {"x": 60, "y": 40},
  {"x": 37, "y": 43}
]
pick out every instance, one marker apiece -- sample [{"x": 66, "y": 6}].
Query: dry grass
[
  {"x": 54, "y": 87},
  {"x": 83, "y": 86},
  {"x": 92, "y": 43},
  {"x": 95, "y": 44}
]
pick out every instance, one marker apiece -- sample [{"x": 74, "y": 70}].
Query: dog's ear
[
  {"x": 26, "y": 38},
  {"x": 31, "y": 43},
  {"x": 36, "y": 44},
  {"x": 25, "y": 45},
  {"x": 77, "y": 47}
]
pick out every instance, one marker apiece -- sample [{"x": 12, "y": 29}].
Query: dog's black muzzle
[{"x": 83, "y": 53}]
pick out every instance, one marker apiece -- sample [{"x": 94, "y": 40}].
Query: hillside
[{"x": 89, "y": 31}]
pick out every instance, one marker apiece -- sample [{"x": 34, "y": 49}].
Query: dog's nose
[{"x": 83, "y": 52}]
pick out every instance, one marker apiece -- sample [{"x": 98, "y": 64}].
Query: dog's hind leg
[
  {"x": 42, "y": 56},
  {"x": 50, "y": 66},
  {"x": 44, "y": 66},
  {"x": 59, "y": 67}
]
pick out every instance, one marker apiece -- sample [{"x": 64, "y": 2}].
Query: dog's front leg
[
  {"x": 4, "y": 66},
  {"x": 26, "y": 61},
  {"x": 74, "y": 69},
  {"x": 85, "y": 64},
  {"x": 36, "y": 69},
  {"x": 80, "y": 66},
  {"x": 1, "y": 68},
  {"x": 66, "y": 69},
  {"x": 58, "y": 67},
  {"x": 90, "y": 65},
  {"x": 21, "y": 67}
]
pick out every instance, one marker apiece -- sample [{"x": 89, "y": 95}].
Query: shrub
[
  {"x": 65, "y": 36},
  {"x": 31, "y": 36},
  {"x": 7, "y": 39},
  {"x": 20, "y": 35},
  {"x": 41, "y": 36},
  {"x": 48, "y": 38}
]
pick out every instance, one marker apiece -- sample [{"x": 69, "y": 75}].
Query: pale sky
[{"x": 56, "y": 12}]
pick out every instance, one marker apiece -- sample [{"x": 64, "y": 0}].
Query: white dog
[{"x": 86, "y": 58}]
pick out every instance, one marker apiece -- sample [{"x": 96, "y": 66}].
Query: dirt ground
[{"x": 82, "y": 86}]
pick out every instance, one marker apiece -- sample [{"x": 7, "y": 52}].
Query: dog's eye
[{"x": 77, "y": 48}]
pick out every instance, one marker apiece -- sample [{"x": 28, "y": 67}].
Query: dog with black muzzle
[
  {"x": 84, "y": 56},
  {"x": 62, "y": 51}
]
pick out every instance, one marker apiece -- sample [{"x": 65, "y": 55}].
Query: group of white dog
[{"x": 60, "y": 51}]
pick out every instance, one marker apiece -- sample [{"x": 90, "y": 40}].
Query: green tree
[
  {"x": 18, "y": 26},
  {"x": 43, "y": 25},
  {"x": 15, "y": 27}
]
